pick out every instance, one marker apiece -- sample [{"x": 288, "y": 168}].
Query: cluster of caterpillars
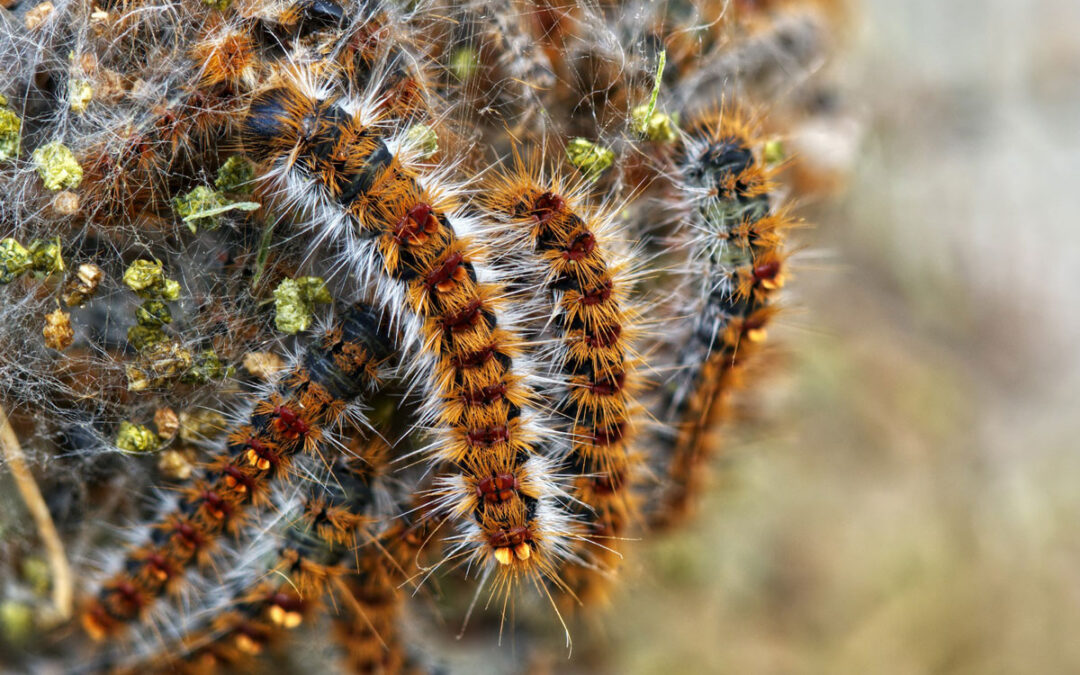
[{"x": 537, "y": 244}]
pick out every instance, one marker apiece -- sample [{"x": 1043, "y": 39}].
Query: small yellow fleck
[
  {"x": 774, "y": 151},
  {"x": 174, "y": 465},
  {"x": 36, "y": 573},
  {"x": 592, "y": 158},
  {"x": 16, "y": 621},
  {"x": 464, "y": 63},
  {"x": 294, "y": 302},
  {"x": 47, "y": 256},
  {"x": 424, "y": 139},
  {"x": 79, "y": 95},
  {"x": 201, "y": 425},
  {"x": 14, "y": 260},
  {"x": 10, "y": 133},
  {"x": 235, "y": 175},
  {"x": 66, "y": 203}
]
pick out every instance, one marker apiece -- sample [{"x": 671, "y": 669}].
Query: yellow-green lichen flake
[
  {"x": 14, "y": 260},
  {"x": 235, "y": 175},
  {"x": 136, "y": 438},
  {"x": 46, "y": 256},
  {"x": 464, "y": 63},
  {"x": 194, "y": 207},
  {"x": 591, "y": 158},
  {"x": 294, "y": 302},
  {"x": 147, "y": 279},
  {"x": 143, "y": 275},
  {"x": 207, "y": 367},
  {"x": 16, "y": 621},
  {"x": 153, "y": 313},
  {"x": 10, "y": 133},
  {"x": 773, "y": 152},
  {"x": 57, "y": 166},
  {"x": 141, "y": 335},
  {"x": 424, "y": 139}
]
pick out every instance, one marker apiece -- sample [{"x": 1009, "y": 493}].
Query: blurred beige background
[{"x": 906, "y": 498}]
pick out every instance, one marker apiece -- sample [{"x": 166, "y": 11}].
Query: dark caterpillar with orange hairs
[
  {"x": 736, "y": 233},
  {"x": 582, "y": 293},
  {"x": 392, "y": 222}
]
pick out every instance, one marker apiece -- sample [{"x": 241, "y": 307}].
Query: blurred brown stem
[{"x": 35, "y": 503}]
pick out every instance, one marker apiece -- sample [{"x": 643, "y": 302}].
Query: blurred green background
[{"x": 906, "y": 496}]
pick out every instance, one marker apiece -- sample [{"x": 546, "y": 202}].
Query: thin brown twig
[{"x": 35, "y": 504}]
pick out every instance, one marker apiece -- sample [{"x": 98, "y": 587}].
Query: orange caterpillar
[
  {"x": 583, "y": 291},
  {"x": 392, "y": 224},
  {"x": 735, "y": 235},
  {"x": 313, "y": 397}
]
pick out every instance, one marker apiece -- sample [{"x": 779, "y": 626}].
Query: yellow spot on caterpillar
[
  {"x": 522, "y": 551},
  {"x": 285, "y": 618},
  {"x": 504, "y": 556}
]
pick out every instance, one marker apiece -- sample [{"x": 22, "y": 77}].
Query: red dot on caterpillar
[
  {"x": 604, "y": 337},
  {"x": 289, "y": 422},
  {"x": 443, "y": 278},
  {"x": 463, "y": 320},
  {"x": 605, "y": 484},
  {"x": 608, "y": 386},
  {"x": 237, "y": 479},
  {"x": 754, "y": 327},
  {"x": 473, "y": 359},
  {"x": 214, "y": 504},
  {"x": 580, "y": 246},
  {"x": 259, "y": 455},
  {"x": 498, "y": 488},
  {"x": 129, "y": 594},
  {"x": 597, "y": 295},
  {"x": 608, "y": 435},
  {"x": 546, "y": 207},
  {"x": 188, "y": 535},
  {"x": 485, "y": 395},
  {"x": 769, "y": 275},
  {"x": 488, "y": 436},
  {"x": 416, "y": 225}
]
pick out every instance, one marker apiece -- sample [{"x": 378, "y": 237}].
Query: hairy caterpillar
[
  {"x": 395, "y": 225},
  {"x": 336, "y": 528},
  {"x": 735, "y": 232},
  {"x": 312, "y": 398},
  {"x": 583, "y": 297}
]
